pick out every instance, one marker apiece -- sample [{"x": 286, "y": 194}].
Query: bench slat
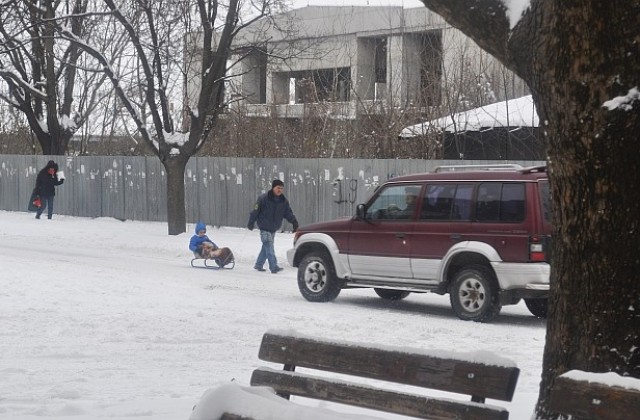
[
  {"x": 373, "y": 398},
  {"x": 594, "y": 401},
  {"x": 475, "y": 379}
]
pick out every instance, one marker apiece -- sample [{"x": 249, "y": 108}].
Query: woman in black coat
[{"x": 46, "y": 182}]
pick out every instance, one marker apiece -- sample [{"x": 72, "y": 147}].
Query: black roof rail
[{"x": 533, "y": 169}]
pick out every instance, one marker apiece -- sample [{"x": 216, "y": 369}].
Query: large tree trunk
[
  {"x": 584, "y": 58},
  {"x": 53, "y": 144},
  {"x": 176, "y": 215},
  {"x": 576, "y": 57}
]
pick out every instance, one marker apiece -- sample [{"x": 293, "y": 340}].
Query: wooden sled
[{"x": 225, "y": 260}]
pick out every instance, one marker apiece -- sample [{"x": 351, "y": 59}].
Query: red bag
[{"x": 35, "y": 202}]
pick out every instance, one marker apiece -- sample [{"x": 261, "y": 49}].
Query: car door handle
[
  {"x": 455, "y": 237},
  {"x": 400, "y": 235}
]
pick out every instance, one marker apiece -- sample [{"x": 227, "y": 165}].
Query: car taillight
[{"x": 536, "y": 249}]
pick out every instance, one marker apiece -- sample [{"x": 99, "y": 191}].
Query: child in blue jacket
[{"x": 201, "y": 245}]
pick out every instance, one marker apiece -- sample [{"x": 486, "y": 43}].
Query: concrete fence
[{"x": 219, "y": 191}]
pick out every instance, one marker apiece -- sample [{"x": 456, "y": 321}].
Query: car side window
[
  {"x": 488, "y": 202},
  {"x": 447, "y": 202},
  {"x": 499, "y": 201},
  {"x": 438, "y": 202},
  {"x": 390, "y": 204},
  {"x": 462, "y": 202},
  {"x": 512, "y": 202}
]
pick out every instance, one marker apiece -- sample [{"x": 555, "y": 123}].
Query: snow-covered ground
[{"x": 106, "y": 319}]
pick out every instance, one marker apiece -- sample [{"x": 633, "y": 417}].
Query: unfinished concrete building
[{"x": 344, "y": 61}]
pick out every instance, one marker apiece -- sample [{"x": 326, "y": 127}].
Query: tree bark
[
  {"x": 589, "y": 59},
  {"x": 576, "y": 56},
  {"x": 176, "y": 214}
]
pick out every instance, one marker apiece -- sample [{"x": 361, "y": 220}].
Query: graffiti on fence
[{"x": 344, "y": 194}]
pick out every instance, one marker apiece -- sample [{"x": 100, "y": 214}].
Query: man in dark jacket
[
  {"x": 269, "y": 211},
  {"x": 46, "y": 182}
]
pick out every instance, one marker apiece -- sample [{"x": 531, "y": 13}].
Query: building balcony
[{"x": 332, "y": 110}]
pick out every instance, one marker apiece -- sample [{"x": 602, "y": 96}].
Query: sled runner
[{"x": 223, "y": 260}]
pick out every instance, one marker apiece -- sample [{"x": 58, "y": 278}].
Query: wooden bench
[
  {"x": 595, "y": 396},
  {"x": 474, "y": 379}
]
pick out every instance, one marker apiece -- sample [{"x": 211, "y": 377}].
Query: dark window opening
[
  {"x": 380, "y": 60},
  {"x": 254, "y": 79},
  {"x": 323, "y": 85}
]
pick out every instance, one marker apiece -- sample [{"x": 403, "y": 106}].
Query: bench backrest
[
  {"x": 594, "y": 401},
  {"x": 477, "y": 380}
]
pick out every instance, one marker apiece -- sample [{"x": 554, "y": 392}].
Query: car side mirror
[{"x": 361, "y": 212}]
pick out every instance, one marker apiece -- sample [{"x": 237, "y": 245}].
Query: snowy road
[{"x": 106, "y": 319}]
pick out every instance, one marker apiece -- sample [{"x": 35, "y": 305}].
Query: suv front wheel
[
  {"x": 474, "y": 294},
  {"x": 317, "y": 279}
]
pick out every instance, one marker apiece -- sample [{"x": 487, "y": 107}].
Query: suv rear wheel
[
  {"x": 391, "y": 294},
  {"x": 538, "y": 307},
  {"x": 317, "y": 279},
  {"x": 474, "y": 294}
]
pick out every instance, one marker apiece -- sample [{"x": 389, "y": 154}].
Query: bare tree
[
  {"x": 15, "y": 136},
  {"x": 581, "y": 61},
  {"x": 45, "y": 76},
  {"x": 151, "y": 88}
]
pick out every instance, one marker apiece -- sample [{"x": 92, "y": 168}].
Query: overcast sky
[{"x": 515, "y": 8}]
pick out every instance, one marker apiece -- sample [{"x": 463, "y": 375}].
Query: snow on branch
[
  {"x": 18, "y": 81},
  {"x": 111, "y": 75}
]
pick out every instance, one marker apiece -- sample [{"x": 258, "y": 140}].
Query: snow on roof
[{"x": 520, "y": 112}]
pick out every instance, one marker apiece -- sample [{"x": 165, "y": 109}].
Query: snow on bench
[
  {"x": 234, "y": 402},
  {"x": 596, "y": 396}
]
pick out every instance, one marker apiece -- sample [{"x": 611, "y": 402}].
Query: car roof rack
[
  {"x": 486, "y": 167},
  {"x": 532, "y": 169}
]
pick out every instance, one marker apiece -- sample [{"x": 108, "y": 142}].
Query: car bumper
[
  {"x": 291, "y": 253},
  {"x": 533, "y": 277}
]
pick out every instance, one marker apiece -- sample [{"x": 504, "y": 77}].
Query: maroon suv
[{"x": 483, "y": 236}]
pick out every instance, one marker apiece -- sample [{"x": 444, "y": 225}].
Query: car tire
[
  {"x": 537, "y": 307},
  {"x": 474, "y": 294},
  {"x": 391, "y": 294},
  {"x": 317, "y": 278}
]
